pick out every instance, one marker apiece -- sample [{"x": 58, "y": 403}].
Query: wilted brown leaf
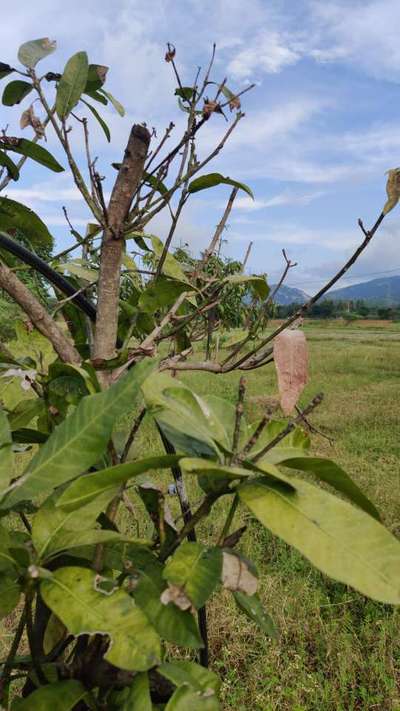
[
  {"x": 171, "y": 53},
  {"x": 236, "y": 575},
  {"x": 392, "y": 189},
  {"x": 176, "y": 595},
  {"x": 28, "y": 118},
  {"x": 291, "y": 363}
]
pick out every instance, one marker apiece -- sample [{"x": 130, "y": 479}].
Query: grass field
[{"x": 337, "y": 651}]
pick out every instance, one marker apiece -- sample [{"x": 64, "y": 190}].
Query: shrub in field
[{"x": 101, "y": 609}]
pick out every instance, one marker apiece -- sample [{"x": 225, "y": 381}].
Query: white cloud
[{"x": 268, "y": 52}]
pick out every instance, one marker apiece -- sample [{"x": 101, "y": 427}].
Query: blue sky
[{"x": 321, "y": 127}]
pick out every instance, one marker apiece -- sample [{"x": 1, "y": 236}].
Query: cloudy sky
[{"x": 321, "y": 127}]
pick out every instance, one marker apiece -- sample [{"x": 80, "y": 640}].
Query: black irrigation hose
[{"x": 54, "y": 277}]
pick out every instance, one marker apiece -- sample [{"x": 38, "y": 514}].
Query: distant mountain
[
  {"x": 289, "y": 295},
  {"x": 383, "y": 292}
]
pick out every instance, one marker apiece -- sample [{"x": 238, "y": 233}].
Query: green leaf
[
  {"x": 258, "y": 284},
  {"x": 77, "y": 269},
  {"x": 71, "y": 594},
  {"x": 171, "y": 267},
  {"x": 252, "y": 607},
  {"x": 28, "y": 436},
  {"x": 154, "y": 183},
  {"x": 54, "y": 633},
  {"x": 172, "y": 624},
  {"x": 6, "y": 454},
  {"x": 331, "y": 473},
  {"x": 160, "y": 293},
  {"x": 215, "y": 475},
  {"x": 62, "y": 695},
  {"x": 55, "y": 530},
  {"x": 37, "y": 153},
  {"x": 185, "y": 673},
  {"x": 96, "y": 96},
  {"x": 25, "y": 411},
  {"x": 296, "y": 444},
  {"x": 185, "y": 698},
  {"x": 10, "y": 166},
  {"x": 15, "y": 92},
  {"x": 99, "y": 119},
  {"x": 135, "y": 698},
  {"x": 107, "y": 481},
  {"x": 338, "y": 538},
  {"x": 97, "y": 74},
  {"x": 5, "y": 70},
  {"x": 72, "y": 84},
  {"x": 81, "y": 438},
  {"x": 196, "y": 569},
  {"x": 116, "y": 104},
  {"x": 30, "y": 53},
  {"x": 15, "y": 216},
  {"x": 10, "y": 593},
  {"x": 185, "y": 92},
  {"x": 212, "y": 179}
]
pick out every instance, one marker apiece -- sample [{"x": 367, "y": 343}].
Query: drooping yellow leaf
[{"x": 392, "y": 189}]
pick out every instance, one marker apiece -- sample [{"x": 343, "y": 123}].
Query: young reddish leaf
[{"x": 291, "y": 362}]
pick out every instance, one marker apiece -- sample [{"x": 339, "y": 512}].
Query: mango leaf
[
  {"x": 72, "y": 84},
  {"x": 291, "y": 363},
  {"x": 37, "y": 153},
  {"x": 185, "y": 673},
  {"x": 339, "y": 539},
  {"x": 8, "y": 564},
  {"x": 25, "y": 411},
  {"x": 252, "y": 607},
  {"x": 116, "y": 104},
  {"x": 295, "y": 444},
  {"x": 55, "y": 530},
  {"x": 10, "y": 592},
  {"x": 212, "y": 179},
  {"x": 97, "y": 74},
  {"x": 257, "y": 283},
  {"x": 185, "y": 92},
  {"x": 96, "y": 96},
  {"x": 392, "y": 189},
  {"x": 171, "y": 267},
  {"x": 107, "y": 481},
  {"x": 30, "y": 53},
  {"x": 71, "y": 594},
  {"x": 172, "y": 624},
  {"x": 154, "y": 183},
  {"x": 15, "y": 92},
  {"x": 99, "y": 119},
  {"x": 180, "y": 415},
  {"x": 6, "y": 454},
  {"x": 160, "y": 293},
  {"x": 5, "y": 70},
  {"x": 9, "y": 165},
  {"x": 196, "y": 570},
  {"x": 54, "y": 633},
  {"x": 62, "y": 695},
  {"x": 135, "y": 698},
  {"x": 15, "y": 216},
  {"x": 185, "y": 698},
  {"x": 81, "y": 438},
  {"x": 335, "y": 476},
  {"x": 77, "y": 269}
]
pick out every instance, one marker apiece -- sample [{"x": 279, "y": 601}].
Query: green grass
[{"x": 337, "y": 651}]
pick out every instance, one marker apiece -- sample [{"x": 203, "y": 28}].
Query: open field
[{"x": 336, "y": 650}]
